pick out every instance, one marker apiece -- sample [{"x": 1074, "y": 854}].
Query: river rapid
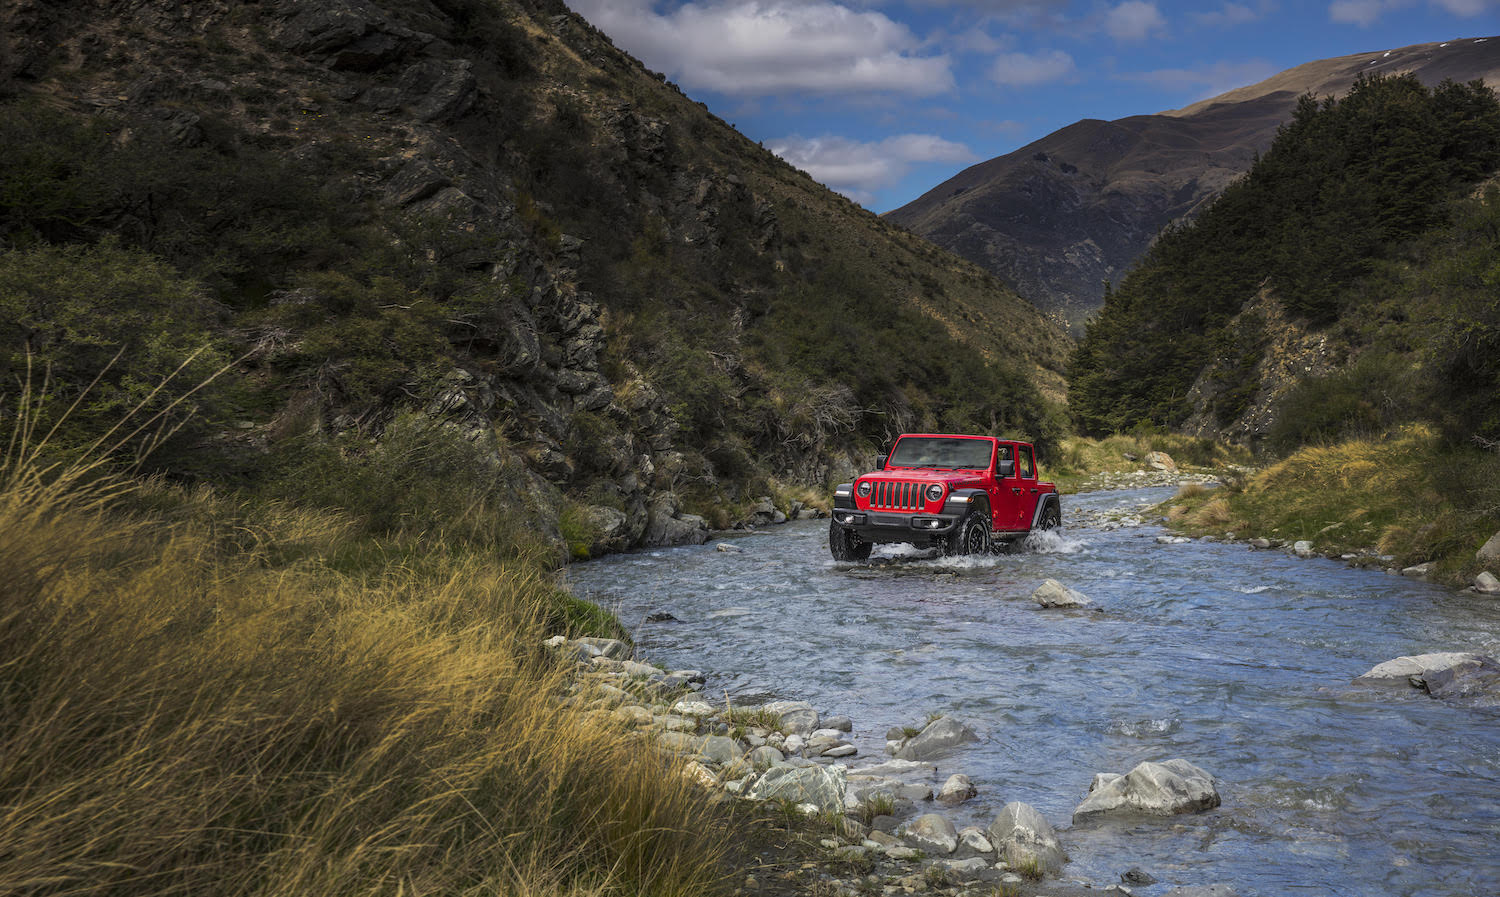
[{"x": 1238, "y": 661}]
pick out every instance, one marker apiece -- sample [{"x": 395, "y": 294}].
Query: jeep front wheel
[
  {"x": 846, "y": 546},
  {"x": 973, "y": 536}
]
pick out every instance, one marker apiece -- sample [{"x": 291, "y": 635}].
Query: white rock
[
  {"x": 1403, "y": 668},
  {"x": 1161, "y": 461},
  {"x": 1023, "y": 836},
  {"x": 693, "y": 708},
  {"x": 1302, "y": 548},
  {"x": 1418, "y": 570},
  {"x": 956, "y": 790},
  {"x": 797, "y": 717},
  {"x": 973, "y": 838},
  {"x": 936, "y": 738},
  {"x": 1487, "y": 583},
  {"x": 932, "y": 833},
  {"x": 1052, "y": 593},
  {"x": 1160, "y": 789}
]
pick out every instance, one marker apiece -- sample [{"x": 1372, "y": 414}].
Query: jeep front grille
[{"x": 897, "y": 496}]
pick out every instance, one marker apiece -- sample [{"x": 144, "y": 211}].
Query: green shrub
[{"x": 117, "y": 318}]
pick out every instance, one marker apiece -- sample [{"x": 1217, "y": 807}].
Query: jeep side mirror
[
  {"x": 1007, "y": 468},
  {"x": 880, "y": 462}
]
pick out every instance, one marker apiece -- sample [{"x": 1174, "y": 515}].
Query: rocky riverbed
[{"x": 887, "y": 829}]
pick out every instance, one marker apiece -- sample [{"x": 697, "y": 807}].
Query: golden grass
[
  {"x": 193, "y": 707},
  {"x": 1405, "y": 496}
]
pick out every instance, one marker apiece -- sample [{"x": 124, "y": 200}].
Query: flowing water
[{"x": 1238, "y": 661}]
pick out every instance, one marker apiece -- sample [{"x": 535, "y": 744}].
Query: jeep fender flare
[
  {"x": 843, "y": 496},
  {"x": 961, "y": 501},
  {"x": 1041, "y": 508}
]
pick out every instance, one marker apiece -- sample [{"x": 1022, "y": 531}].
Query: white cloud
[
  {"x": 1206, "y": 81},
  {"x": 1133, "y": 20},
  {"x": 1024, "y": 69},
  {"x": 858, "y": 169},
  {"x": 1357, "y": 12},
  {"x": 1465, "y": 8},
  {"x": 1367, "y": 12},
  {"x": 750, "y": 47},
  {"x": 1232, "y": 14}
]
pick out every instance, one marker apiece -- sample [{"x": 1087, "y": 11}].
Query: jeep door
[
  {"x": 1027, "y": 480},
  {"x": 1008, "y": 491}
]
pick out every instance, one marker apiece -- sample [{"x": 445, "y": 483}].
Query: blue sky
[{"x": 884, "y": 99}]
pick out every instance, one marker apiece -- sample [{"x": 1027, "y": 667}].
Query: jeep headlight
[
  {"x": 934, "y": 492},
  {"x": 863, "y": 489}
]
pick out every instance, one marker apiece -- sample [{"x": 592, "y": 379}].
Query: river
[{"x": 1238, "y": 661}]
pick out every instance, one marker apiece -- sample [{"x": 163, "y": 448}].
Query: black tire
[
  {"x": 972, "y": 536},
  {"x": 1051, "y": 517},
  {"x": 846, "y": 546}
]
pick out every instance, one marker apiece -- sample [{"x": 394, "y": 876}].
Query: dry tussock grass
[{"x": 187, "y": 714}]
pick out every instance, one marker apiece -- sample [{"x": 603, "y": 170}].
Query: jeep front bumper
[
  {"x": 891, "y": 526},
  {"x": 886, "y": 526}
]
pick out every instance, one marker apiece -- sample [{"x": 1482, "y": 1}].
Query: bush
[
  {"x": 1371, "y": 397},
  {"x": 117, "y": 318},
  {"x": 422, "y": 478}
]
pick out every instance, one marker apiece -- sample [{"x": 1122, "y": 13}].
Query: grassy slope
[
  {"x": 206, "y": 696},
  {"x": 1395, "y": 501}
]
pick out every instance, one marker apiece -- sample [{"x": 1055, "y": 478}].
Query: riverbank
[
  {"x": 833, "y": 824},
  {"x": 1402, "y": 503}
]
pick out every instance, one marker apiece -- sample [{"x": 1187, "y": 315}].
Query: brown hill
[
  {"x": 1063, "y": 215},
  {"x": 482, "y": 214}
]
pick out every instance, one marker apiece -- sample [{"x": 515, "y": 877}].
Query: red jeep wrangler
[{"x": 959, "y": 493}]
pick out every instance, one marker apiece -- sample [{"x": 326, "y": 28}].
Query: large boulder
[
  {"x": 1024, "y": 838},
  {"x": 932, "y": 833},
  {"x": 1161, "y": 461},
  {"x": 797, "y": 717},
  {"x": 821, "y": 786},
  {"x": 1402, "y": 669},
  {"x": 936, "y": 738},
  {"x": 1488, "y": 554},
  {"x": 1052, "y": 593},
  {"x": 1465, "y": 678},
  {"x": 1157, "y": 789}
]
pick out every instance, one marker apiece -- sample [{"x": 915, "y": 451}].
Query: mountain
[
  {"x": 468, "y": 254},
  {"x": 1343, "y": 288},
  {"x": 1063, "y": 215}
]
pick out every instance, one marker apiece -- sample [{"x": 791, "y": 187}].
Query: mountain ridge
[{"x": 1063, "y": 215}]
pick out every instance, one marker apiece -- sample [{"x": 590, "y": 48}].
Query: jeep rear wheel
[
  {"x": 972, "y": 537},
  {"x": 846, "y": 546},
  {"x": 1051, "y": 517}
]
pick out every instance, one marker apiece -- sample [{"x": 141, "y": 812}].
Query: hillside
[
  {"x": 475, "y": 234},
  {"x": 1342, "y": 289},
  {"x": 1059, "y": 217}
]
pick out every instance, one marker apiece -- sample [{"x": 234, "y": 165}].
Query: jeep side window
[
  {"x": 1004, "y": 466},
  {"x": 1028, "y": 469}
]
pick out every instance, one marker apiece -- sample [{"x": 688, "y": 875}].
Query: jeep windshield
[{"x": 941, "y": 452}]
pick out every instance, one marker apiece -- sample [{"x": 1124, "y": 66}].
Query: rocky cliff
[
  {"x": 1061, "y": 216},
  {"x": 482, "y": 213}
]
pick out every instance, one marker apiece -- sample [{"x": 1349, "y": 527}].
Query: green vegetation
[
  {"x": 1411, "y": 497},
  {"x": 1351, "y": 193},
  {"x": 207, "y": 695}
]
